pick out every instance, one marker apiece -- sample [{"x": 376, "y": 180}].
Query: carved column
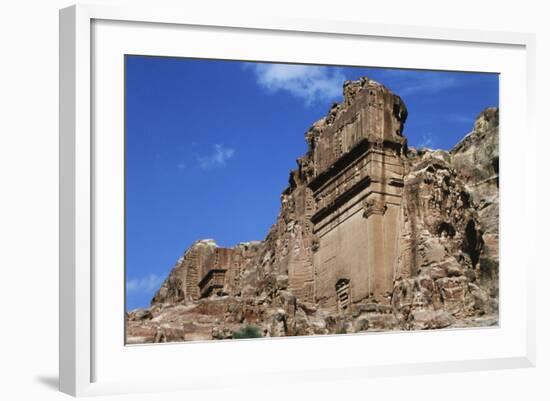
[{"x": 382, "y": 232}]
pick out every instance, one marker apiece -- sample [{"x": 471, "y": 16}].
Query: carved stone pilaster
[
  {"x": 372, "y": 207},
  {"x": 315, "y": 243}
]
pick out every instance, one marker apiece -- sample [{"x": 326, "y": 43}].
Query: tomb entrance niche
[{"x": 343, "y": 295}]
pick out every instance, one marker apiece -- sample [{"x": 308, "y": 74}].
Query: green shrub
[
  {"x": 341, "y": 330},
  {"x": 248, "y": 331}
]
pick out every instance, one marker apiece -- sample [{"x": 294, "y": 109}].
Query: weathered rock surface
[
  {"x": 476, "y": 160},
  {"x": 411, "y": 236}
]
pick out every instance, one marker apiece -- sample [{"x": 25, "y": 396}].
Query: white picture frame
[{"x": 82, "y": 215}]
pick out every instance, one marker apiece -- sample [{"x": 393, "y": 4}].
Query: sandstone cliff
[{"x": 413, "y": 235}]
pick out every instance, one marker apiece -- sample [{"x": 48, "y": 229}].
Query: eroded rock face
[
  {"x": 206, "y": 269},
  {"x": 412, "y": 236},
  {"x": 476, "y": 160}
]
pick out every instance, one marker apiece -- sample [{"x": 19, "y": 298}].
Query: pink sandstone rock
[{"x": 371, "y": 236}]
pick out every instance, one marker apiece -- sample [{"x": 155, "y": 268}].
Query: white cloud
[
  {"x": 218, "y": 158},
  {"x": 427, "y": 141},
  {"x": 310, "y": 83},
  {"x": 146, "y": 284},
  {"x": 431, "y": 85},
  {"x": 412, "y": 82},
  {"x": 181, "y": 166}
]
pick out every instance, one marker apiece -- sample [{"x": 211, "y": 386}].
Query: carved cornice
[
  {"x": 208, "y": 276},
  {"x": 339, "y": 165},
  {"x": 339, "y": 200}
]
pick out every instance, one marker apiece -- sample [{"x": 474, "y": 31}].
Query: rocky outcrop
[
  {"x": 476, "y": 160},
  {"x": 186, "y": 279},
  {"x": 371, "y": 236}
]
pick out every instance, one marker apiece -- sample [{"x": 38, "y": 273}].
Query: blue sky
[{"x": 210, "y": 143}]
